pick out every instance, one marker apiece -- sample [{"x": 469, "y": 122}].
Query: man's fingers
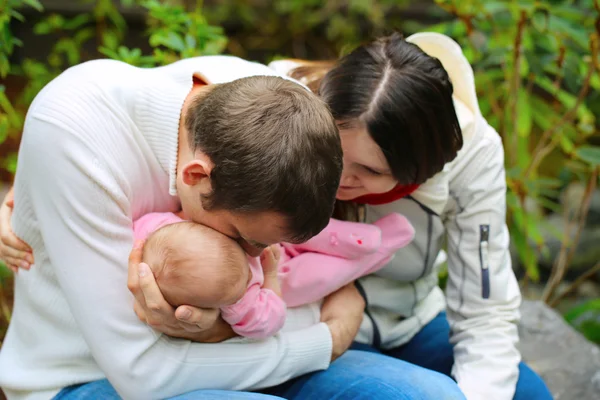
[
  {"x": 196, "y": 319},
  {"x": 156, "y": 305},
  {"x": 135, "y": 257},
  {"x": 139, "y": 311}
]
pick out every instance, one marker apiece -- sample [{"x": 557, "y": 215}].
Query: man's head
[
  {"x": 197, "y": 266},
  {"x": 264, "y": 161}
]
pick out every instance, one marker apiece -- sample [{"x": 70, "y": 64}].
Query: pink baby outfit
[
  {"x": 341, "y": 253},
  {"x": 260, "y": 313}
]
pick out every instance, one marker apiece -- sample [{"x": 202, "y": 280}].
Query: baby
[{"x": 196, "y": 265}]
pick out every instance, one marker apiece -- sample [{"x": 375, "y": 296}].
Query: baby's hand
[{"x": 269, "y": 260}]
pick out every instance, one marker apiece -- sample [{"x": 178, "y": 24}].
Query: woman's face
[{"x": 366, "y": 170}]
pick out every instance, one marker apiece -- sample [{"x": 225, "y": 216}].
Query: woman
[{"x": 415, "y": 142}]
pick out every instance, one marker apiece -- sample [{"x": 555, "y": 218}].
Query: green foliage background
[{"x": 536, "y": 68}]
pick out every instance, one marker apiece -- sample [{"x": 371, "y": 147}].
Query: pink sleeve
[
  {"x": 258, "y": 315},
  {"x": 344, "y": 239},
  {"x": 309, "y": 277},
  {"x": 146, "y": 225}
]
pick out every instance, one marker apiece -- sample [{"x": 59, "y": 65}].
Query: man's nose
[{"x": 252, "y": 251}]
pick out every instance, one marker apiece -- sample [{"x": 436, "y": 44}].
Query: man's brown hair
[{"x": 275, "y": 147}]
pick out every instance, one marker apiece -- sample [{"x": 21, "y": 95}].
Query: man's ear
[
  {"x": 197, "y": 173},
  {"x": 200, "y": 79}
]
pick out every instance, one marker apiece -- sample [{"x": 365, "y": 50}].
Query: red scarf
[{"x": 396, "y": 193}]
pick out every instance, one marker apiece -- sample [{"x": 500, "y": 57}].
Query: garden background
[{"x": 537, "y": 72}]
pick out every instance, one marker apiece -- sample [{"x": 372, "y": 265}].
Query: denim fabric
[
  {"x": 357, "y": 375},
  {"x": 431, "y": 349}
]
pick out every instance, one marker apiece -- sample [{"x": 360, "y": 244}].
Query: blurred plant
[
  {"x": 173, "y": 33},
  {"x": 309, "y": 28},
  {"x": 535, "y": 64},
  {"x": 586, "y": 318}
]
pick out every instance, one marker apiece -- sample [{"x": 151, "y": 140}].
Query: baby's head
[{"x": 196, "y": 265}]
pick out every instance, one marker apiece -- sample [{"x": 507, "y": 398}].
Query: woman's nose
[{"x": 348, "y": 180}]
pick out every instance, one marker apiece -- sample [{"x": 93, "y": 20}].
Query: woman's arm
[
  {"x": 310, "y": 276},
  {"x": 482, "y": 295},
  {"x": 13, "y": 251}
]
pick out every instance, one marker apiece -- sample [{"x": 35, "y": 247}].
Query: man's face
[{"x": 253, "y": 231}]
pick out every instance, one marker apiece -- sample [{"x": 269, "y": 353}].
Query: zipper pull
[{"x": 484, "y": 237}]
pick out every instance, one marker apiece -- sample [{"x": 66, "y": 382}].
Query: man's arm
[
  {"x": 482, "y": 295},
  {"x": 84, "y": 218}
]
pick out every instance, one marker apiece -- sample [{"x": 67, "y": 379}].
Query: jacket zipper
[
  {"x": 376, "y": 335},
  {"x": 484, "y": 237}
]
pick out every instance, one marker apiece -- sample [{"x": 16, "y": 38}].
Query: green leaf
[
  {"x": 77, "y": 22},
  {"x": 4, "y": 65},
  {"x": 170, "y": 40},
  {"x": 524, "y": 119},
  {"x": 4, "y": 125},
  {"x": 578, "y": 311},
  {"x": 42, "y": 28},
  {"x": 110, "y": 53},
  {"x": 540, "y": 20},
  {"x": 566, "y": 144},
  {"x": 589, "y": 154},
  {"x": 34, "y": 4}
]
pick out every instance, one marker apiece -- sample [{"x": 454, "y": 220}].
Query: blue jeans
[
  {"x": 419, "y": 369},
  {"x": 431, "y": 349},
  {"x": 357, "y": 375}
]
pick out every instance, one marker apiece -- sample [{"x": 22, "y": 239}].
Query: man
[{"x": 256, "y": 157}]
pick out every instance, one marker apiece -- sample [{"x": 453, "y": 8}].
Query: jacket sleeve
[{"x": 483, "y": 296}]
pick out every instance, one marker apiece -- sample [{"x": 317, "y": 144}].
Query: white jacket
[{"x": 464, "y": 207}]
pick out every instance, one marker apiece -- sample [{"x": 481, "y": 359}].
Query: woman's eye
[{"x": 372, "y": 171}]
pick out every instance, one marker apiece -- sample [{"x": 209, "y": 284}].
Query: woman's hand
[
  {"x": 13, "y": 251},
  {"x": 186, "y": 322},
  {"x": 342, "y": 311}
]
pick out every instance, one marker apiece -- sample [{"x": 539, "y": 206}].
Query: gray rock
[
  {"x": 586, "y": 255},
  {"x": 568, "y": 363}
]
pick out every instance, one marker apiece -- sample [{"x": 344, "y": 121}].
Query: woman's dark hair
[{"x": 404, "y": 98}]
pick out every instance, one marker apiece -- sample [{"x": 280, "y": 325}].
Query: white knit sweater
[{"x": 99, "y": 150}]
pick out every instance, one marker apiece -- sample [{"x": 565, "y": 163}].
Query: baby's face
[{"x": 200, "y": 267}]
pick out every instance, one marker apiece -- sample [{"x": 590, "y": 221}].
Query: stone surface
[
  {"x": 568, "y": 362},
  {"x": 587, "y": 253}
]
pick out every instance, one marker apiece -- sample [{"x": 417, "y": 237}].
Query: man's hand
[
  {"x": 186, "y": 322},
  {"x": 342, "y": 311}
]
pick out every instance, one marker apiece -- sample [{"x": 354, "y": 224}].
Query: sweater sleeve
[
  {"x": 482, "y": 294},
  {"x": 258, "y": 315},
  {"x": 80, "y": 210},
  {"x": 144, "y": 226}
]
